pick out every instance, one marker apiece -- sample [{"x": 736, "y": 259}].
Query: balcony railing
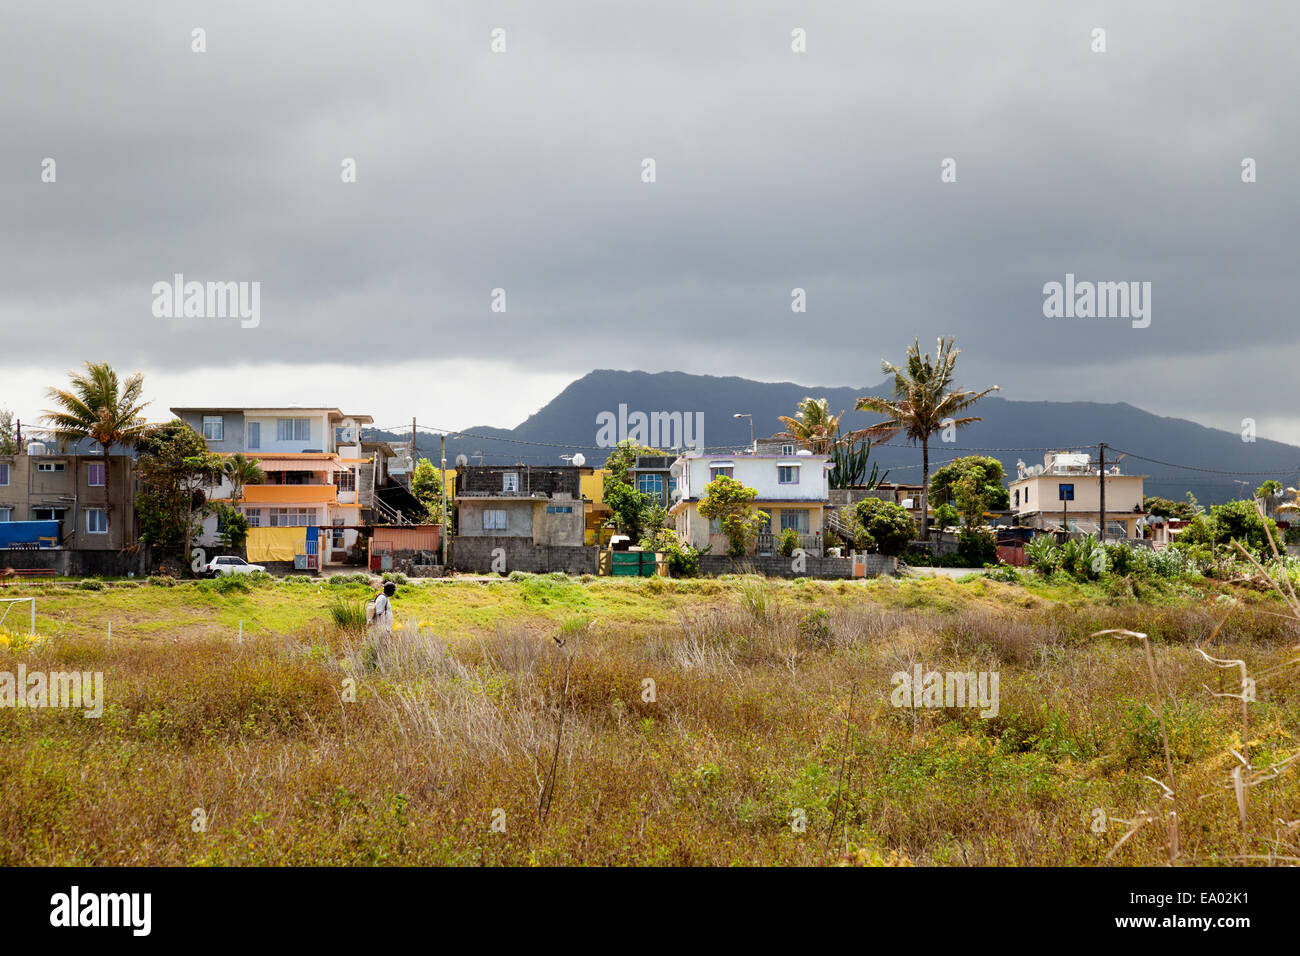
[{"x": 768, "y": 541}]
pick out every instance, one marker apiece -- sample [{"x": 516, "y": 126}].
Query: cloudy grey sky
[{"x": 522, "y": 170}]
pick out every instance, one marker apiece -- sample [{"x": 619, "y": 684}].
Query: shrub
[
  {"x": 162, "y": 580},
  {"x": 1004, "y": 573},
  {"x": 90, "y": 584},
  {"x": 787, "y": 542},
  {"x": 348, "y": 615},
  {"x": 880, "y": 525},
  {"x": 397, "y": 577},
  {"x": 1042, "y": 553},
  {"x": 977, "y": 548},
  {"x": 1083, "y": 558}
]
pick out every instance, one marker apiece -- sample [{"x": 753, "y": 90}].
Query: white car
[{"x": 229, "y": 564}]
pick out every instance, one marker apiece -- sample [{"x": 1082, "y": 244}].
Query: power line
[{"x": 1211, "y": 471}]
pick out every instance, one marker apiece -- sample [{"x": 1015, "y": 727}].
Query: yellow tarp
[{"x": 275, "y": 544}]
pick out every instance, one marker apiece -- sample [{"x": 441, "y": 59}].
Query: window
[
  {"x": 650, "y": 485},
  {"x": 510, "y": 481},
  {"x": 4, "y": 472},
  {"x": 254, "y": 516},
  {"x": 6, "y": 514},
  {"x": 338, "y": 533},
  {"x": 48, "y": 514},
  {"x": 51, "y": 466},
  {"x": 345, "y": 480},
  {"x": 293, "y": 429},
  {"x": 96, "y": 521},
  {"x": 715, "y": 526},
  {"x": 717, "y": 470},
  {"x": 213, "y": 427},
  {"x": 796, "y": 518},
  {"x": 787, "y": 474},
  {"x": 1065, "y": 492},
  {"x": 494, "y": 519},
  {"x": 254, "y": 434},
  {"x": 559, "y": 509},
  {"x": 787, "y": 449},
  {"x": 95, "y": 474},
  {"x": 292, "y": 517},
  {"x": 1017, "y": 498}
]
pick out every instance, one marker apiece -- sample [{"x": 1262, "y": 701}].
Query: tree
[
  {"x": 986, "y": 474},
  {"x": 924, "y": 402},
  {"x": 972, "y": 500},
  {"x": 232, "y": 526},
  {"x": 8, "y": 435},
  {"x": 814, "y": 426},
  {"x": 100, "y": 407},
  {"x": 1269, "y": 489},
  {"x": 635, "y": 513},
  {"x": 732, "y": 505},
  {"x": 1238, "y": 521},
  {"x": 241, "y": 471},
  {"x": 426, "y": 486},
  {"x": 1167, "y": 508},
  {"x": 880, "y": 525},
  {"x": 173, "y": 467}
]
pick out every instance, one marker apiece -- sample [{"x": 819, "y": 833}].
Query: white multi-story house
[
  {"x": 792, "y": 489},
  {"x": 1064, "y": 492},
  {"x": 318, "y": 471}
]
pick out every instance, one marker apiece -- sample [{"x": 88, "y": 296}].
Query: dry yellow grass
[{"x": 450, "y": 745}]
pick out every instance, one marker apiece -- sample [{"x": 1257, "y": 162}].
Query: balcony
[{"x": 768, "y": 541}]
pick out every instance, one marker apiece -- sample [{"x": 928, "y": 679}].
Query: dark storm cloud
[{"x": 775, "y": 171}]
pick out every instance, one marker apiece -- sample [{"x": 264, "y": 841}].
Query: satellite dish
[
  {"x": 461, "y": 461},
  {"x": 579, "y": 459}
]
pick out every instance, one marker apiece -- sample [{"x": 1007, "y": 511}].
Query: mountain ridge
[{"x": 1011, "y": 430}]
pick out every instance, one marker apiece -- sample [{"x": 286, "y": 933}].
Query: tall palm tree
[
  {"x": 100, "y": 407},
  {"x": 241, "y": 471},
  {"x": 924, "y": 402},
  {"x": 814, "y": 426}
]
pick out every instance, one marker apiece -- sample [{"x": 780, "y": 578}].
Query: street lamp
[{"x": 751, "y": 426}]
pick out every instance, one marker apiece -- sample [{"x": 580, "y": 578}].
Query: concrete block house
[
  {"x": 793, "y": 490},
  {"x": 319, "y": 474}
]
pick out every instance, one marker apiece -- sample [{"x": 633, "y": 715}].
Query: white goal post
[{"x": 9, "y": 604}]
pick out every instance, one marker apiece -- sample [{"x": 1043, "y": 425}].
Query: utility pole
[
  {"x": 1101, "y": 460},
  {"x": 443, "y": 446},
  {"x": 413, "y": 459}
]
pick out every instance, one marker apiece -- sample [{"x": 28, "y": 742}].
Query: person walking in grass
[{"x": 382, "y": 618}]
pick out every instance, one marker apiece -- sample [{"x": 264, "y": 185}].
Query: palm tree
[
  {"x": 241, "y": 471},
  {"x": 99, "y": 407},
  {"x": 814, "y": 427},
  {"x": 924, "y": 402}
]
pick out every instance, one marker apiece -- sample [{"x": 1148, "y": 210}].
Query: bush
[
  {"x": 90, "y": 584},
  {"x": 1043, "y": 554},
  {"x": 976, "y": 548},
  {"x": 1004, "y": 573},
  {"x": 881, "y": 526},
  {"x": 787, "y": 542},
  {"x": 348, "y": 615},
  {"x": 162, "y": 580},
  {"x": 342, "y": 580},
  {"x": 397, "y": 577}
]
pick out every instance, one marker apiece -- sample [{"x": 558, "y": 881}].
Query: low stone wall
[
  {"x": 79, "y": 563},
  {"x": 475, "y": 554},
  {"x": 775, "y": 566}
]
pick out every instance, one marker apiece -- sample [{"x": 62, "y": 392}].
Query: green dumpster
[{"x": 633, "y": 564}]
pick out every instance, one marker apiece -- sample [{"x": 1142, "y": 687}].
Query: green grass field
[{"x": 549, "y": 720}]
